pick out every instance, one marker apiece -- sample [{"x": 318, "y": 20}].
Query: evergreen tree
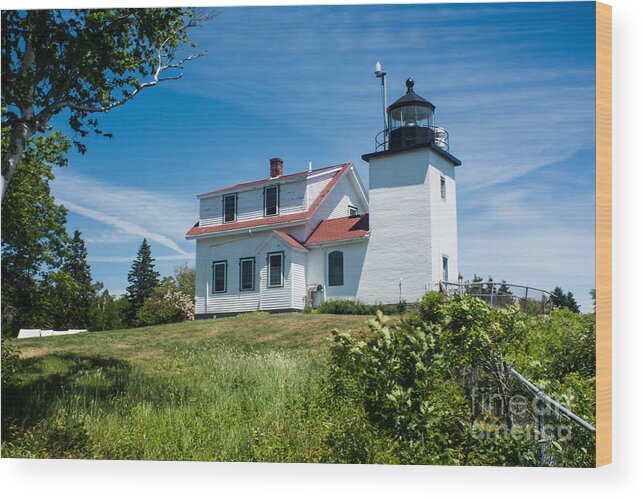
[
  {"x": 571, "y": 303},
  {"x": 558, "y": 298},
  {"x": 143, "y": 281},
  {"x": 79, "y": 306},
  {"x": 564, "y": 300}
]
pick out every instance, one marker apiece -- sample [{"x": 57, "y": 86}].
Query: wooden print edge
[{"x": 603, "y": 234}]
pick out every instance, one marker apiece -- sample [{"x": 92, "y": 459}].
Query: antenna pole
[
  {"x": 384, "y": 111},
  {"x": 382, "y": 76}
]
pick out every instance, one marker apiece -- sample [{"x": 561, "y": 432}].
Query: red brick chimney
[{"x": 276, "y": 167}]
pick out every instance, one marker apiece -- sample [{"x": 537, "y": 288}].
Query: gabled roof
[
  {"x": 274, "y": 180},
  {"x": 280, "y": 219},
  {"x": 339, "y": 229},
  {"x": 290, "y": 240}
]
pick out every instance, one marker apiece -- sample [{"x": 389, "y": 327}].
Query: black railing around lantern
[{"x": 398, "y": 138}]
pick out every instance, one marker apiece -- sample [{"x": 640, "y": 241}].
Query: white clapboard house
[{"x": 291, "y": 241}]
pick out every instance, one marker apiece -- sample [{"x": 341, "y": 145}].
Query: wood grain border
[{"x": 603, "y": 234}]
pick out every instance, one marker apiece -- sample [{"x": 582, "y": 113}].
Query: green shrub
[
  {"x": 10, "y": 362},
  {"x": 350, "y": 307},
  {"x": 60, "y": 436},
  {"x": 436, "y": 384},
  {"x": 165, "y": 306}
]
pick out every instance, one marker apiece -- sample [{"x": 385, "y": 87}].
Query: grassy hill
[{"x": 205, "y": 390}]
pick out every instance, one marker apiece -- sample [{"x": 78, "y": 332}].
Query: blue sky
[{"x": 513, "y": 84}]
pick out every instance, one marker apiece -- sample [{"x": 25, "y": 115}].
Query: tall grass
[
  {"x": 210, "y": 393},
  {"x": 200, "y": 404}
]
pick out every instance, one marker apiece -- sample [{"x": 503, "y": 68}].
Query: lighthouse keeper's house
[{"x": 291, "y": 241}]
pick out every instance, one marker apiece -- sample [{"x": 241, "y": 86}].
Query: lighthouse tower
[{"x": 413, "y": 241}]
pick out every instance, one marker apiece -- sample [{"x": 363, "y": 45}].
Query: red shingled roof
[
  {"x": 290, "y": 240},
  {"x": 295, "y": 217},
  {"x": 338, "y": 229}
]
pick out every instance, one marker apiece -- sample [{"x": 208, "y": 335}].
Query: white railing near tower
[{"x": 441, "y": 138}]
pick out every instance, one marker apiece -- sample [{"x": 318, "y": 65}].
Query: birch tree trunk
[
  {"x": 20, "y": 134},
  {"x": 23, "y": 128}
]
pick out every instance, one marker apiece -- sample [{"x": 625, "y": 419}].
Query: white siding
[
  {"x": 444, "y": 225},
  {"x": 399, "y": 248},
  {"x": 298, "y": 273},
  {"x": 232, "y": 249},
  {"x": 336, "y": 203},
  {"x": 201, "y": 290},
  {"x": 316, "y": 185},
  {"x": 354, "y": 254},
  {"x": 281, "y": 297},
  {"x": 292, "y": 199}
]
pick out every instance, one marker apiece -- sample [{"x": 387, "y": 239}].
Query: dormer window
[
  {"x": 352, "y": 211},
  {"x": 271, "y": 201},
  {"x": 229, "y": 208}
]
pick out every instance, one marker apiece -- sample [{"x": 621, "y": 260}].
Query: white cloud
[
  {"x": 126, "y": 213},
  {"x": 128, "y": 259},
  {"x": 123, "y": 226}
]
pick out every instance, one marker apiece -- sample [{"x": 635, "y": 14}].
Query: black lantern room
[{"x": 410, "y": 120}]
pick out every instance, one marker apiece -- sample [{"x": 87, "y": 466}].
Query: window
[
  {"x": 230, "y": 208},
  {"x": 275, "y": 270},
  {"x": 445, "y": 268},
  {"x": 247, "y": 274},
  {"x": 443, "y": 187},
  {"x": 271, "y": 201},
  {"x": 219, "y": 276},
  {"x": 336, "y": 268},
  {"x": 352, "y": 211}
]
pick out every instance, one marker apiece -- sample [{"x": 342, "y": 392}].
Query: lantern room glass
[{"x": 410, "y": 116}]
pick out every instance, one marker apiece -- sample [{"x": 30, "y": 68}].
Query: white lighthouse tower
[{"x": 413, "y": 241}]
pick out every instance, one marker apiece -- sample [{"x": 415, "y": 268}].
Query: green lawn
[{"x": 223, "y": 389}]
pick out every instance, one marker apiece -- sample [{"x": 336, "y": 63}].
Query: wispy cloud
[
  {"x": 126, "y": 214},
  {"x": 127, "y": 259},
  {"x": 123, "y": 227}
]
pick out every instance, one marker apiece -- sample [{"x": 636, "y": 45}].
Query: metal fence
[{"x": 501, "y": 294}]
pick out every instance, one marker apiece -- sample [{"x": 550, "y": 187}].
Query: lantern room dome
[{"x": 410, "y": 99}]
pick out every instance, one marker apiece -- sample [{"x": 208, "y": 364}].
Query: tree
[
  {"x": 185, "y": 277},
  {"x": 76, "y": 266},
  {"x": 83, "y": 62},
  {"x": 143, "y": 281},
  {"x": 108, "y": 312},
  {"x": 56, "y": 292},
  {"x": 33, "y": 231},
  {"x": 564, "y": 300}
]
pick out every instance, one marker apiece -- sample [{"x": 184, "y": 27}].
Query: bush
[
  {"x": 60, "y": 436},
  {"x": 349, "y": 307},
  {"x": 436, "y": 383},
  {"x": 10, "y": 363},
  {"x": 165, "y": 306}
]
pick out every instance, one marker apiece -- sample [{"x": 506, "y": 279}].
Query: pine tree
[
  {"x": 79, "y": 270},
  {"x": 564, "y": 300},
  {"x": 571, "y": 303},
  {"x": 143, "y": 280},
  {"x": 558, "y": 298}
]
